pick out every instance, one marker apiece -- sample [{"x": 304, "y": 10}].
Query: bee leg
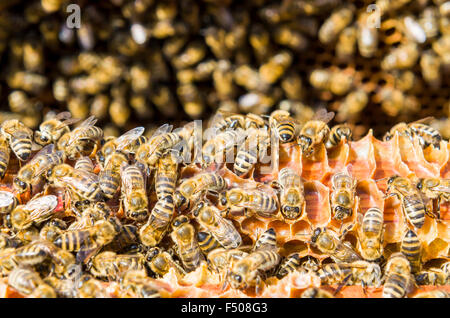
[
  {"x": 342, "y": 284},
  {"x": 364, "y": 285},
  {"x": 259, "y": 285}
]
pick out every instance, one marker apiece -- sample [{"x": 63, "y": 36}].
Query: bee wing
[
  {"x": 90, "y": 121},
  {"x": 323, "y": 115},
  {"x": 425, "y": 120},
  {"x": 442, "y": 188},
  {"x": 162, "y": 130},
  {"x": 85, "y": 255},
  {"x": 41, "y": 168},
  {"x": 63, "y": 116},
  {"x": 6, "y": 198},
  {"x": 81, "y": 180},
  {"x": 40, "y": 206},
  {"x": 128, "y": 137},
  {"x": 67, "y": 122}
]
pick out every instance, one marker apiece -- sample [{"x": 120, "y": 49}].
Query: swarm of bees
[
  {"x": 129, "y": 62},
  {"x": 89, "y": 215}
]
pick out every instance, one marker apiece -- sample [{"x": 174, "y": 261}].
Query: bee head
[
  {"x": 420, "y": 184},
  {"x": 41, "y": 138},
  {"x": 305, "y": 142},
  {"x": 223, "y": 199},
  {"x": 198, "y": 208},
  {"x": 316, "y": 234},
  {"x": 20, "y": 185},
  {"x": 290, "y": 212},
  {"x": 152, "y": 253}
]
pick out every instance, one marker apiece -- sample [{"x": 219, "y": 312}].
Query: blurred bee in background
[
  {"x": 338, "y": 133},
  {"x": 183, "y": 235},
  {"x": 345, "y": 47},
  {"x": 255, "y": 200},
  {"x": 292, "y": 200},
  {"x": 401, "y": 57},
  {"x": 193, "y": 188},
  {"x": 315, "y": 132},
  {"x": 31, "y": 172},
  {"x": 36, "y": 211},
  {"x": 336, "y": 82},
  {"x": 19, "y": 137},
  {"x": 275, "y": 67},
  {"x": 51, "y": 130},
  {"x": 140, "y": 285},
  {"x": 328, "y": 243},
  {"x": 223, "y": 230},
  {"x": 152, "y": 232},
  {"x": 134, "y": 195},
  {"x": 435, "y": 189},
  {"x": 412, "y": 203},
  {"x": 352, "y": 105},
  {"x": 371, "y": 234},
  {"x": 89, "y": 287},
  {"x": 160, "y": 262},
  {"x": 76, "y": 142},
  {"x": 337, "y": 21},
  {"x": 343, "y": 198},
  {"x": 398, "y": 279}
]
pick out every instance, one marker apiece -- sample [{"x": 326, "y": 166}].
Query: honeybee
[
  {"x": 224, "y": 121},
  {"x": 19, "y": 137},
  {"x": 125, "y": 240},
  {"x": 254, "y": 147},
  {"x": 259, "y": 201},
  {"x": 134, "y": 196},
  {"x": 52, "y": 229},
  {"x": 89, "y": 287},
  {"x": 220, "y": 259},
  {"x": 368, "y": 274},
  {"x": 398, "y": 280},
  {"x": 435, "y": 189},
  {"x": 289, "y": 265},
  {"x": 286, "y": 127},
  {"x": 309, "y": 265},
  {"x": 51, "y": 130},
  {"x": 337, "y": 21},
  {"x": 166, "y": 176},
  {"x": 19, "y": 102},
  {"x": 412, "y": 203},
  {"x": 160, "y": 262},
  {"x": 7, "y": 202},
  {"x": 4, "y": 155},
  {"x": 63, "y": 287},
  {"x": 345, "y": 47},
  {"x": 315, "y": 292},
  {"x": 430, "y": 64},
  {"x": 292, "y": 198},
  {"x": 140, "y": 285},
  {"x": 81, "y": 184},
  {"x": 183, "y": 235},
  {"x": 315, "y": 131},
  {"x": 207, "y": 242},
  {"x": 85, "y": 164},
  {"x": 429, "y": 20},
  {"x": 413, "y": 29},
  {"x": 93, "y": 212},
  {"x": 113, "y": 266},
  {"x": 208, "y": 216},
  {"x": 432, "y": 276},
  {"x": 411, "y": 247},
  {"x": 221, "y": 144},
  {"x": 193, "y": 188},
  {"x": 110, "y": 176},
  {"x": 73, "y": 143},
  {"x": 290, "y": 37},
  {"x": 36, "y": 211},
  {"x": 337, "y": 133},
  {"x": 157, "y": 225},
  {"x": 402, "y": 57},
  {"x": 337, "y": 82},
  {"x": 31, "y": 254},
  {"x": 328, "y": 243},
  {"x": 267, "y": 240},
  {"x": 437, "y": 293},
  {"x": 127, "y": 143},
  {"x": 246, "y": 272},
  {"x": 343, "y": 196},
  {"x": 352, "y": 105},
  {"x": 367, "y": 37},
  {"x": 31, "y": 172},
  {"x": 371, "y": 234},
  {"x": 275, "y": 67},
  {"x": 87, "y": 240},
  {"x": 193, "y": 53},
  {"x": 29, "y": 283}
]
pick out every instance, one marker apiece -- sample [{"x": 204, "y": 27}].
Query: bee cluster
[
  {"x": 135, "y": 61},
  {"x": 132, "y": 216}
]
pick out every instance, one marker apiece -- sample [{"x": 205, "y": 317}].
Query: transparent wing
[
  {"x": 128, "y": 137},
  {"x": 75, "y": 134},
  {"x": 323, "y": 115},
  {"x": 67, "y": 122},
  {"x": 90, "y": 121},
  {"x": 41, "y": 206},
  {"x": 425, "y": 120},
  {"x": 81, "y": 180},
  {"x": 442, "y": 188},
  {"x": 63, "y": 116},
  {"x": 162, "y": 130},
  {"x": 45, "y": 164},
  {"x": 6, "y": 198}
]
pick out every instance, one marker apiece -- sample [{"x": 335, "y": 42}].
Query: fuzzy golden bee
[
  {"x": 371, "y": 234},
  {"x": 315, "y": 132},
  {"x": 343, "y": 198},
  {"x": 19, "y": 137},
  {"x": 134, "y": 195},
  {"x": 329, "y": 243},
  {"x": 52, "y": 129}
]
